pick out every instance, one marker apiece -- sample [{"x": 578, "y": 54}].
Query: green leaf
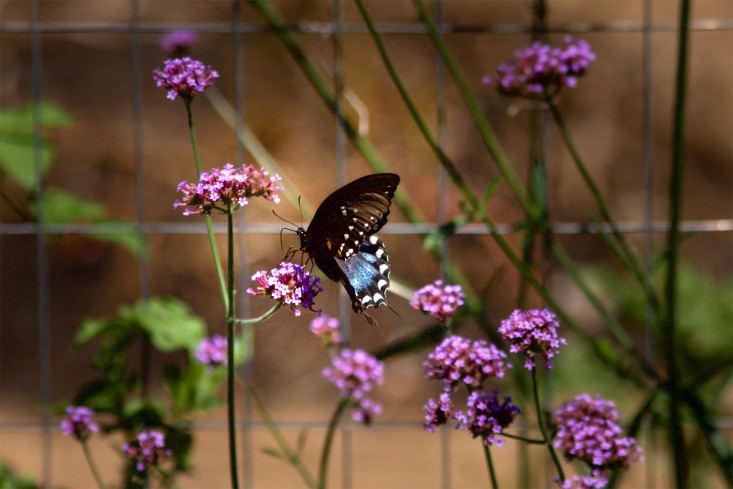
[
  {"x": 61, "y": 207},
  {"x": 170, "y": 324},
  {"x": 21, "y": 120},
  {"x": 17, "y": 158}
]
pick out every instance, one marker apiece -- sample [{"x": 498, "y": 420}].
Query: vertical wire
[
  {"x": 347, "y": 476},
  {"x": 445, "y": 432},
  {"x": 243, "y": 302},
  {"x": 42, "y": 260},
  {"x": 648, "y": 164},
  {"x": 137, "y": 136}
]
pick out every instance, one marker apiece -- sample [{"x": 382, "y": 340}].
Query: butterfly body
[{"x": 341, "y": 239}]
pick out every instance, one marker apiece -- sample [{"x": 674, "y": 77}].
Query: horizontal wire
[
  {"x": 566, "y": 228},
  {"x": 327, "y": 28}
]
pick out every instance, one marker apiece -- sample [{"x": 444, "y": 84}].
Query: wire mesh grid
[{"x": 333, "y": 30}]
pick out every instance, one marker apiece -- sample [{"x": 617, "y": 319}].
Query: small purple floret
[
  {"x": 458, "y": 360},
  {"x": 184, "y": 77},
  {"x": 486, "y": 417},
  {"x": 78, "y": 422},
  {"x": 438, "y": 300},
  {"x": 326, "y": 328},
  {"x": 290, "y": 284},
  {"x": 178, "y": 42},
  {"x": 147, "y": 449},
  {"x": 212, "y": 352},
  {"x": 533, "y": 333}
]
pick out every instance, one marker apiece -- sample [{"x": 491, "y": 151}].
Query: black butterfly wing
[{"x": 337, "y": 237}]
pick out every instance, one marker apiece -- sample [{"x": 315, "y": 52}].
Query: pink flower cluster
[
  {"x": 326, "y": 328},
  {"x": 438, "y": 300},
  {"x": 227, "y": 189},
  {"x": 486, "y": 417},
  {"x": 588, "y": 430},
  {"x": 290, "y": 284},
  {"x": 532, "y": 332},
  {"x": 356, "y": 372},
  {"x": 184, "y": 77},
  {"x": 541, "y": 70},
  {"x": 458, "y": 360},
  {"x": 79, "y": 422},
  {"x": 212, "y": 352},
  {"x": 178, "y": 42}
]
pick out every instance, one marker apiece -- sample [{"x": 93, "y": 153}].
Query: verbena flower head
[
  {"x": 365, "y": 412},
  {"x": 212, "y": 352},
  {"x": 184, "y": 77},
  {"x": 178, "y": 42},
  {"x": 588, "y": 430},
  {"x": 486, "y": 417},
  {"x": 147, "y": 449},
  {"x": 438, "y": 300},
  {"x": 438, "y": 412},
  {"x": 458, "y": 360},
  {"x": 227, "y": 189},
  {"x": 533, "y": 333},
  {"x": 78, "y": 422},
  {"x": 326, "y": 328},
  {"x": 583, "y": 482},
  {"x": 355, "y": 372},
  {"x": 290, "y": 284},
  {"x": 541, "y": 70}
]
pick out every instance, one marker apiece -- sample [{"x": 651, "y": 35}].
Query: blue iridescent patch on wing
[{"x": 367, "y": 275}]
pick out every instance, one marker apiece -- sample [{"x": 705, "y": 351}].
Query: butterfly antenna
[{"x": 285, "y": 220}]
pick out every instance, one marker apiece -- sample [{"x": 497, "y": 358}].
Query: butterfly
[{"x": 341, "y": 239}]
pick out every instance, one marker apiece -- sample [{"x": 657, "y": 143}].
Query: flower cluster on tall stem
[
  {"x": 533, "y": 333},
  {"x": 460, "y": 361},
  {"x": 148, "y": 449},
  {"x": 541, "y": 70},
  {"x": 438, "y": 300},
  {"x": 184, "y": 77},
  {"x": 227, "y": 189},
  {"x": 289, "y": 284},
  {"x": 588, "y": 430},
  {"x": 79, "y": 422},
  {"x": 355, "y": 373},
  {"x": 327, "y": 329}
]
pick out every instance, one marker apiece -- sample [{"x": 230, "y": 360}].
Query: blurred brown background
[{"x": 87, "y": 57}]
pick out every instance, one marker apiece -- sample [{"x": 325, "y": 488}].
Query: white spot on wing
[
  {"x": 382, "y": 284},
  {"x": 373, "y": 239},
  {"x": 378, "y": 298},
  {"x": 383, "y": 267},
  {"x": 379, "y": 252}
]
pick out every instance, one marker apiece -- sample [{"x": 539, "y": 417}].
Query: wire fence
[{"x": 333, "y": 30}]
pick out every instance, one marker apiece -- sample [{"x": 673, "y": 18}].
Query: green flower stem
[
  {"x": 231, "y": 412},
  {"x": 289, "y": 453},
  {"x": 531, "y": 441},
  {"x": 477, "y": 112},
  {"x": 676, "y": 180},
  {"x": 326, "y": 451},
  {"x": 260, "y": 319},
  {"x": 625, "y": 253},
  {"x": 207, "y": 219},
  {"x": 541, "y": 424},
  {"x": 92, "y": 464},
  {"x": 490, "y": 465}
]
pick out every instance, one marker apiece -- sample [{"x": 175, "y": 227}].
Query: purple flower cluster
[
  {"x": 227, "y": 189},
  {"x": 184, "y": 77},
  {"x": 458, "y": 360},
  {"x": 290, "y": 284},
  {"x": 438, "y": 300},
  {"x": 532, "y": 332},
  {"x": 588, "y": 430},
  {"x": 178, "y": 42},
  {"x": 583, "y": 482},
  {"x": 147, "y": 449},
  {"x": 78, "y": 422},
  {"x": 326, "y": 328},
  {"x": 212, "y": 352},
  {"x": 541, "y": 70},
  {"x": 356, "y": 373},
  {"x": 486, "y": 417}
]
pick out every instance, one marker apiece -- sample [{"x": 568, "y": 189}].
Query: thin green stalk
[
  {"x": 289, "y": 453},
  {"x": 92, "y": 464},
  {"x": 326, "y": 451},
  {"x": 231, "y": 412},
  {"x": 628, "y": 256},
  {"x": 531, "y": 441},
  {"x": 490, "y": 465},
  {"x": 207, "y": 219},
  {"x": 541, "y": 424},
  {"x": 676, "y": 436},
  {"x": 477, "y": 112},
  {"x": 260, "y": 319}
]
